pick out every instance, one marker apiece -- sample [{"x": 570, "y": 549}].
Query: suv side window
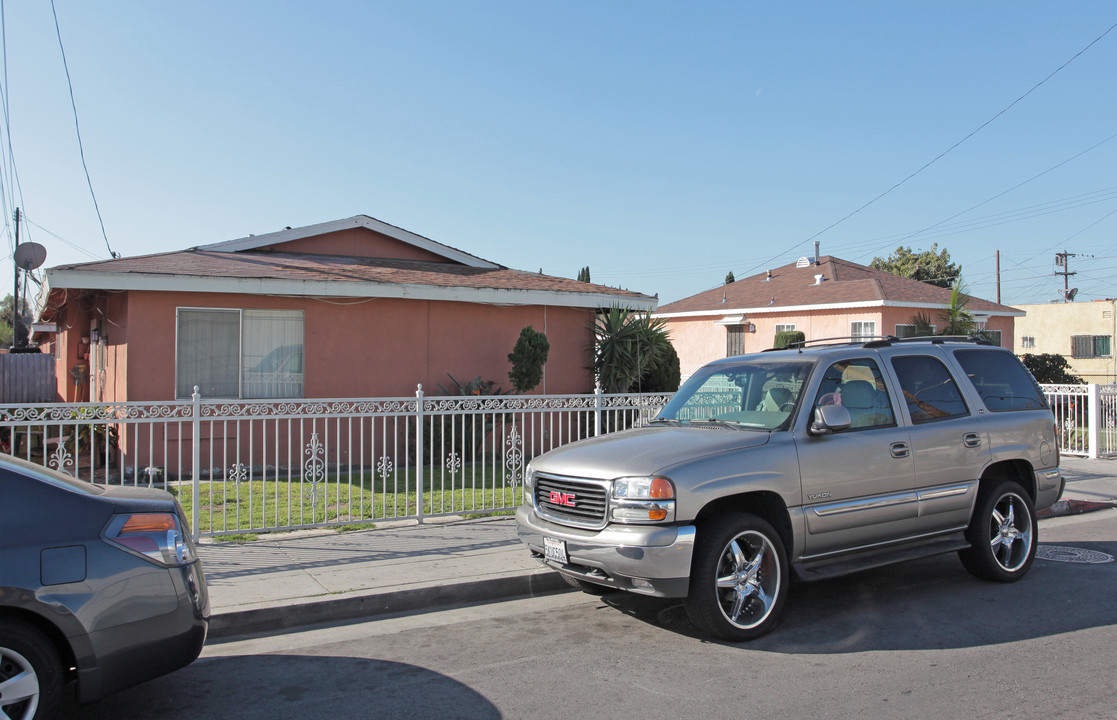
[
  {"x": 929, "y": 389},
  {"x": 1001, "y": 380},
  {"x": 859, "y": 386}
]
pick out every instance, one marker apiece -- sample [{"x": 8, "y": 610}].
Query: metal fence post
[
  {"x": 419, "y": 448},
  {"x": 1093, "y": 420},
  {"x": 597, "y": 409},
  {"x": 196, "y": 450}
]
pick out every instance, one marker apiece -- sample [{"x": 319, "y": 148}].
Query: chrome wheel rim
[
  {"x": 19, "y": 686},
  {"x": 1010, "y": 532},
  {"x": 748, "y": 579}
]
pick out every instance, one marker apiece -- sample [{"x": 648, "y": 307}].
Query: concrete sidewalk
[{"x": 294, "y": 579}]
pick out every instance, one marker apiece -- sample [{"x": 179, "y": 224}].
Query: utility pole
[
  {"x": 998, "y": 277},
  {"x": 15, "y": 293},
  {"x": 1062, "y": 260}
]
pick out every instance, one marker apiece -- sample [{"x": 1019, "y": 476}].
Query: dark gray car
[{"x": 100, "y": 586}]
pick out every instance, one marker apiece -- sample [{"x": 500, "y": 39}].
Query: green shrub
[{"x": 787, "y": 337}]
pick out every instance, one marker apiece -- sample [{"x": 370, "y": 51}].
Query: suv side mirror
[{"x": 829, "y": 418}]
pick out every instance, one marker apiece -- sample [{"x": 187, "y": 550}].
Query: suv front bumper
[{"x": 647, "y": 559}]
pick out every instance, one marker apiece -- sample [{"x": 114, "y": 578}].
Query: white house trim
[
  {"x": 784, "y": 309},
  {"x": 357, "y": 221},
  {"x": 332, "y": 289}
]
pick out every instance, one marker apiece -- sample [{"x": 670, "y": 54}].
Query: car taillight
[{"x": 155, "y": 536}]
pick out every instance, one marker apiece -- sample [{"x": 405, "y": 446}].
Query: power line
[
  {"x": 77, "y": 128},
  {"x": 943, "y": 153}
]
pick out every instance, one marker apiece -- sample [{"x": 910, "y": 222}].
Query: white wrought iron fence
[
  {"x": 1085, "y": 416},
  {"x": 250, "y": 466}
]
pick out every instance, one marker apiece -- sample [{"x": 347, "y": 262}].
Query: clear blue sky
[{"x": 661, "y": 143}]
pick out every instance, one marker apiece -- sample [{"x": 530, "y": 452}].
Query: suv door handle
[
  {"x": 899, "y": 449},
  {"x": 971, "y": 440}
]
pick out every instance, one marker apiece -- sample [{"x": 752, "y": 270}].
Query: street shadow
[
  {"x": 928, "y": 604},
  {"x": 224, "y": 562},
  {"x": 267, "y": 687}
]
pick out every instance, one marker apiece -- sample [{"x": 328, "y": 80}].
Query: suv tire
[
  {"x": 739, "y": 577},
  {"x": 24, "y": 651},
  {"x": 1002, "y": 534}
]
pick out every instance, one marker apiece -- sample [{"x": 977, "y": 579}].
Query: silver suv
[{"x": 815, "y": 461}]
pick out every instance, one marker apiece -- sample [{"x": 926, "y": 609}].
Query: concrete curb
[
  {"x": 1066, "y": 507},
  {"x": 353, "y": 607}
]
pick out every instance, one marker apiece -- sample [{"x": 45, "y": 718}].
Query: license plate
[{"x": 555, "y": 550}]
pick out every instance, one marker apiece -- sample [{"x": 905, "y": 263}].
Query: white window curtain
[
  {"x": 273, "y": 354},
  {"x": 862, "y": 330},
  {"x": 208, "y": 353},
  {"x": 234, "y": 353}
]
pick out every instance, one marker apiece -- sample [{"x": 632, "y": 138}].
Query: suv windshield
[{"x": 760, "y": 394}]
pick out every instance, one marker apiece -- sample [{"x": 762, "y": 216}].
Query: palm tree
[
  {"x": 957, "y": 320},
  {"x": 627, "y": 344}
]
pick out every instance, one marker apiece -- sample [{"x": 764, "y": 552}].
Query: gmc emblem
[{"x": 561, "y": 498}]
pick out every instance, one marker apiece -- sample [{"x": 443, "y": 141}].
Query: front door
[{"x": 858, "y": 484}]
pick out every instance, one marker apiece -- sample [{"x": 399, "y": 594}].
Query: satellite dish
[
  {"x": 30, "y": 255},
  {"x": 1071, "y": 293}
]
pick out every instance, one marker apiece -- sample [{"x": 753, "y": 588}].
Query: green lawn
[{"x": 231, "y": 507}]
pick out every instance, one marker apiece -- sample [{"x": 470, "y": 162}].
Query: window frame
[
  {"x": 861, "y": 336},
  {"x": 907, "y": 405},
  {"x": 240, "y": 312},
  {"x": 1089, "y": 346}
]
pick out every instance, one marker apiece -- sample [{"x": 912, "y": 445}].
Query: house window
[
  {"x": 1088, "y": 346},
  {"x": 862, "y": 330},
  {"x": 734, "y": 340},
  {"x": 993, "y": 336},
  {"x": 1028, "y": 342},
  {"x": 239, "y": 353},
  {"x": 905, "y": 330},
  {"x": 786, "y": 327}
]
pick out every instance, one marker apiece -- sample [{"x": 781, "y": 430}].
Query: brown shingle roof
[
  {"x": 844, "y": 283},
  {"x": 335, "y": 268}
]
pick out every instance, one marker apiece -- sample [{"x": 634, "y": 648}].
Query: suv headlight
[
  {"x": 643, "y": 500},
  {"x": 529, "y": 478}
]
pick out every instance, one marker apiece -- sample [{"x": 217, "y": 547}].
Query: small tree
[
  {"x": 662, "y": 377},
  {"x": 528, "y": 358},
  {"x": 1050, "y": 368},
  {"x": 729, "y": 278},
  {"x": 788, "y": 337},
  {"x": 584, "y": 274}
]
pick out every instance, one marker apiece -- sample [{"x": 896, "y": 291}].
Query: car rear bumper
[
  {"x": 125, "y": 655},
  {"x": 647, "y": 559}
]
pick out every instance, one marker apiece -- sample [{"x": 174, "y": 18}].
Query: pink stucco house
[
  {"x": 824, "y": 297},
  {"x": 349, "y": 308}
]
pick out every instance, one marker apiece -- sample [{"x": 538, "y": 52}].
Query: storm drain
[{"x": 1062, "y": 553}]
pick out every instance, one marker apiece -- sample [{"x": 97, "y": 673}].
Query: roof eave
[
  {"x": 783, "y": 309},
  {"x": 326, "y": 288}
]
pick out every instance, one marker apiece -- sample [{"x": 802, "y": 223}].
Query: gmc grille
[{"x": 570, "y": 501}]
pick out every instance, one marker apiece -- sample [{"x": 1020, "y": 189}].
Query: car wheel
[
  {"x": 1002, "y": 534},
  {"x": 739, "y": 578},
  {"x": 584, "y": 586},
  {"x": 30, "y": 673}
]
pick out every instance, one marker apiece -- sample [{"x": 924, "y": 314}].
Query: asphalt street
[{"x": 919, "y": 640}]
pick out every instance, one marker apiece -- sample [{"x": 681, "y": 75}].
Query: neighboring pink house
[
  {"x": 344, "y": 309},
  {"x": 824, "y": 297}
]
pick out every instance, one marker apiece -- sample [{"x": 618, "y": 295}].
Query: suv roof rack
[
  {"x": 842, "y": 340},
  {"x": 933, "y": 339},
  {"x": 875, "y": 341}
]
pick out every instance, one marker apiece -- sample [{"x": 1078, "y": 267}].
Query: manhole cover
[{"x": 1062, "y": 553}]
